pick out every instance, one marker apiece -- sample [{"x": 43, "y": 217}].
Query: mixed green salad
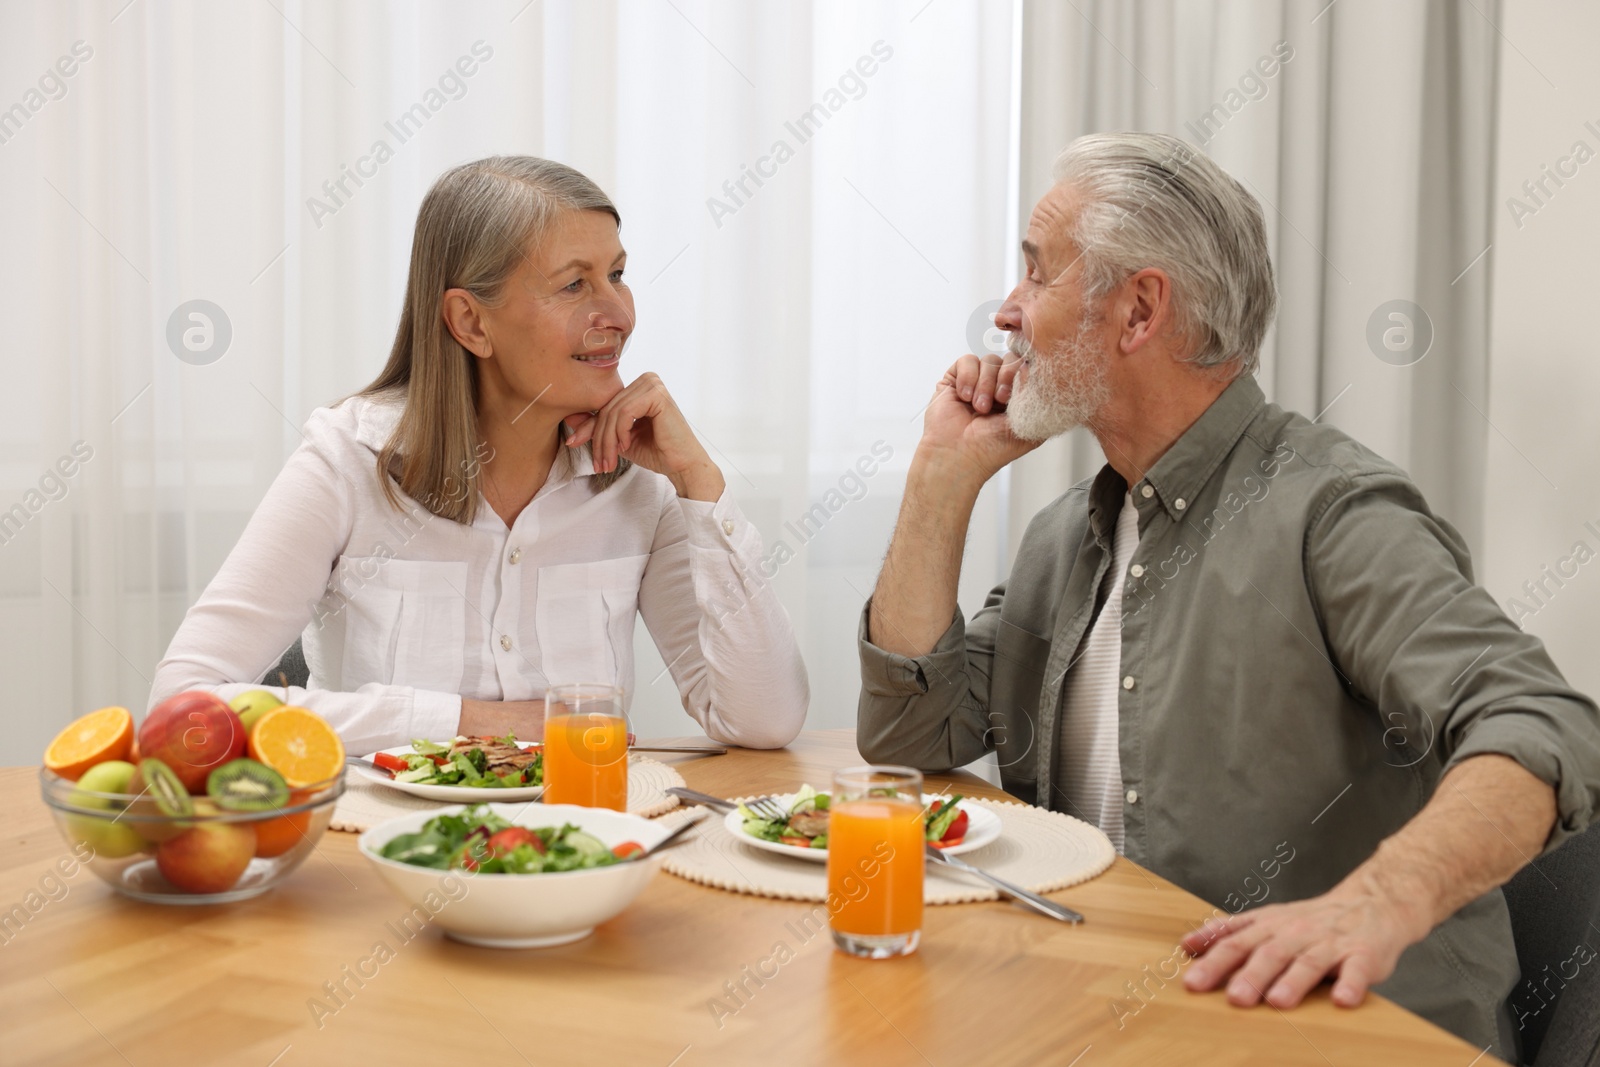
[
  {"x": 471, "y": 762},
  {"x": 479, "y": 840},
  {"x": 807, "y": 823}
]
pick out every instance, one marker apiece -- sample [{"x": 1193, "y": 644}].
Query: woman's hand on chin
[
  {"x": 642, "y": 424},
  {"x": 523, "y": 719}
]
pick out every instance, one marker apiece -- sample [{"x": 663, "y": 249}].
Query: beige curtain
[{"x": 1370, "y": 145}]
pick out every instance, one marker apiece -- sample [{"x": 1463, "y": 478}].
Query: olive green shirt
[{"x": 1304, "y": 654}]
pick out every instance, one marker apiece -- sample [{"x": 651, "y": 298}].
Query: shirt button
[
  {"x": 505, "y": 642},
  {"x": 516, "y": 554},
  {"x": 1147, "y": 492},
  {"x": 1137, "y": 570},
  {"x": 1133, "y": 796},
  {"x": 727, "y": 527},
  {"x": 1179, "y": 504},
  {"x": 1127, "y": 683}
]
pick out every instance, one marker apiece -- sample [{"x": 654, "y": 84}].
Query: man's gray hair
[{"x": 1150, "y": 200}]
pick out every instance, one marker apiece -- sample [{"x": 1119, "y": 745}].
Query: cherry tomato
[
  {"x": 626, "y": 849},
  {"x": 504, "y": 842},
  {"x": 390, "y": 763},
  {"x": 957, "y": 830}
]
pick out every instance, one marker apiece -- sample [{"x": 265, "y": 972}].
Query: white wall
[{"x": 1544, "y": 378}]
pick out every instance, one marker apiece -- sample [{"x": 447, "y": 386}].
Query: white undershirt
[{"x": 1091, "y": 766}]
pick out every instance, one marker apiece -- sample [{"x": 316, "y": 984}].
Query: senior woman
[{"x": 486, "y": 518}]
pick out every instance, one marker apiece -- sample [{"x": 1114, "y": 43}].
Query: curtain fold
[{"x": 1370, "y": 146}]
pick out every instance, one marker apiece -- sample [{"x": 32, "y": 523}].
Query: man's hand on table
[
  {"x": 1281, "y": 952},
  {"x": 1449, "y": 854}
]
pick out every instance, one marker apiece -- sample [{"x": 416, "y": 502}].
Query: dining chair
[
  {"x": 293, "y": 665},
  {"x": 1555, "y": 920}
]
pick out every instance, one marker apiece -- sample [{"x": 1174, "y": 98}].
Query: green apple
[
  {"x": 109, "y": 839},
  {"x": 252, "y": 705},
  {"x": 112, "y": 776}
]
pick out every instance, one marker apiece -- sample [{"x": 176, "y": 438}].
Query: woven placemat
[
  {"x": 1037, "y": 849},
  {"x": 366, "y": 803}
]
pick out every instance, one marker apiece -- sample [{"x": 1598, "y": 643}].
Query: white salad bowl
[{"x": 521, "y": 910}]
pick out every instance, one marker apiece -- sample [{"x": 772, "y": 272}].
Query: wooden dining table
[{"x": 93, "y": 978}]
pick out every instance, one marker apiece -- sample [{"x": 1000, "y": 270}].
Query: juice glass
[
  {"x": 585, "y": 746},
  {"x": 875, "y": 861}
]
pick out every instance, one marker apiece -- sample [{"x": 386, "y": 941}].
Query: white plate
[
  {"x": 983, "y": 826},
  {"x": 452, "y": 794}
]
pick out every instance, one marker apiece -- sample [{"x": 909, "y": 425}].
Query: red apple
[
  {"x": 194, "y": 733},
  {"x": 209, "y": 858}
]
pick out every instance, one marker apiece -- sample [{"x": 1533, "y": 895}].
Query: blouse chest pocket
[
  {"x": 406, "y": 623},
  {"x": 585, "y": 616}
]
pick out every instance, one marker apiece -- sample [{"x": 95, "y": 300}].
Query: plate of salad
[
  {"x": 462, "y": 770},
  {"x": 951, "y": 826}
]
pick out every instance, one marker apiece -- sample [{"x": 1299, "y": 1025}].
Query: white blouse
[{"x": 404, "y": 613}]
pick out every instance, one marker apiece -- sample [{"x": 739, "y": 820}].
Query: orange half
[
  {"x": 101, "y": 735},
  {"x": 298, "y": 744}
]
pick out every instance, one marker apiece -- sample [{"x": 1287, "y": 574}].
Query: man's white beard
[{"x": 1064, "y": 389}]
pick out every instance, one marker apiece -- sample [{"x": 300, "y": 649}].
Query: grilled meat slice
[
  {"x": 809, "y": 824},
  {"x": 499, "y": 756}
]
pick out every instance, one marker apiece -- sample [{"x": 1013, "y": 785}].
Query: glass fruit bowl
[{"x": 209, "y": 856}]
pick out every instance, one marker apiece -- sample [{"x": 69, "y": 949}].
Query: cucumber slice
[{"x": 587, "y": 844}]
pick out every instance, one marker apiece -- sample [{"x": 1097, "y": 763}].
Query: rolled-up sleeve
[
  {"x": 1447, "y": 669},
  {"x": 929, "y": 711}
]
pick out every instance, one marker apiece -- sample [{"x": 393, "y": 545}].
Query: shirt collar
[
  {"x": 569, "y": 465},
  {"x": 1179, "y": 475},
  {"x": 1106, "y": 495},
  {"x": 576, "y": 463}
]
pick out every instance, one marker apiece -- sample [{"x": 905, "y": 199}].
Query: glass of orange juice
[
  {"x": 585, "y": 746},
  {"x": 875, "y": 861}
]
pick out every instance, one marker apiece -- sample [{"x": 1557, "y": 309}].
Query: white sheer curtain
[
  {"x": 801, "y": 325},
  {"x": 1370, "y": 144}
]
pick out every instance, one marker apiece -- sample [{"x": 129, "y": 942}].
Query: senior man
[{"x": 1246, "y": 649}]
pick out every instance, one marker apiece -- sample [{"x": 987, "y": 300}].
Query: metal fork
[{"x": 768, "y": 808}]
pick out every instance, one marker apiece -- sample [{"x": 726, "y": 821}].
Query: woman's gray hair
[{"x": 1150, "y": 200}]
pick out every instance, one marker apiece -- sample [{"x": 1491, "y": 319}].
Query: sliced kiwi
[
  {"x": 246, "y": 785},
  {"x": 162, "y": 785}
]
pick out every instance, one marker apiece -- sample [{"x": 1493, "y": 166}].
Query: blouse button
[
  {"x": 1127, "y": 683},
  {"x": 1147, "y": 492},
  {"x": 727, "y": 527},
  {"x": 516, "y": 554},
  {"x": 1133, "y": 796},
  {"x": 1137, "y": 570},
  {"x": 505, "y": 642}
]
